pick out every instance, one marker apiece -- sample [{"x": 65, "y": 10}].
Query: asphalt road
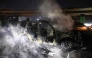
[{"x": 87, "y": 39}]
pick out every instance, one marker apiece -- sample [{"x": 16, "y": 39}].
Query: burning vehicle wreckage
[{"x": 38, "y": 40}]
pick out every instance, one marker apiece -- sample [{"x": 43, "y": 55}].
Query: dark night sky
[
  {"x": 20, "y": 4},
  {"x": 75, "y": 3},
  {"x": 34, "y": 4}
]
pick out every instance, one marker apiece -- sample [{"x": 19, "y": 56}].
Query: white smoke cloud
[
  {"x": 15, "y": 42},
  {"x": 52, "y": 10},
  {"x": 15, "y": 45}
]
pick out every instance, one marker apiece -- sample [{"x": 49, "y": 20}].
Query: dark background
[{"x": 34, "y": 4}]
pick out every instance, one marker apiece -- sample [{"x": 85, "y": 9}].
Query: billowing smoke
[
  {"x": 50, "y": 9},
  {"x": 16, "y": 42}
]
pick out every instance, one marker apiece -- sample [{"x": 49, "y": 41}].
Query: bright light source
[
  {"x": 82, "y": 28},
  {"x": 37, "y": 19},
  {"x": 88, "y": 24}
]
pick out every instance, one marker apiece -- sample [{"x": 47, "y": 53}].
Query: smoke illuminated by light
[
  {"x": 16, "y": 42},
  {"x": 50, "y": 9}
]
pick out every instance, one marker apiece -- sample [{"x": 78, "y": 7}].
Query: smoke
[
  {"x": 16, "y": 42},
  {"x": 51, "y": 9}
]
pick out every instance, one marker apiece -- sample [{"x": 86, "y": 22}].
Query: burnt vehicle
[
  {"x": 43, "y": 28},
  {"x": 67, "y": 41}
]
